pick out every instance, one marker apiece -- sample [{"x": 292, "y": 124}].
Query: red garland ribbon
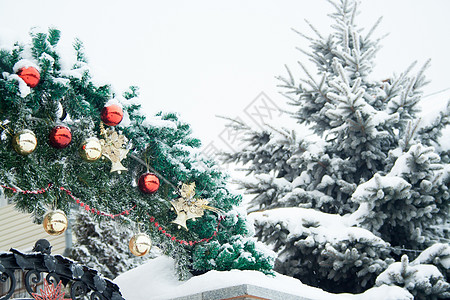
[
  {"x": 125, "y": 212},
  {"x": 78, "y": 201},
  {"x": 40, "y": 191},
  {"x": 183, "y": 242},
  {"x": 93, "y": 210}
]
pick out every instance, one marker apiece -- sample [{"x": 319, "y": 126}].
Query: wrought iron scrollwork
[
  {"x": 53, "y": 278},
  {"x": 96, "y": 296},
  {"x": 78, "y": 290},
  {"x": 6, "y": 274},
  {"x": 83, "y": 281},
  {"x": 32, "y": 277}
]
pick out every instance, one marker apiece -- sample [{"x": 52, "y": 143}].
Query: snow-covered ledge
[
  {"x": 156, "y": 280},
  {"x": 242, "y": 292}
]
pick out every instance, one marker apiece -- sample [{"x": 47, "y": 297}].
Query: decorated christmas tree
[
  {"x": 361, "y": 180},
  {"x": 68, "y": 142}
]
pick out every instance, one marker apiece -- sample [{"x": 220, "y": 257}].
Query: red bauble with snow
[
  {"x": 60, "y": 137},
  {"x": 148, "y": 183},
  {"x": 112, "y": 115},
  {"x": 30, "y": 75}
]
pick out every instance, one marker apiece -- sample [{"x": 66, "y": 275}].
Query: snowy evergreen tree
[
  {"x": 424, "y": 281},
  {"x": 54, "y": 177},
  {"x": 360, "y": 151},
  {"x": 322, "y": 249}
]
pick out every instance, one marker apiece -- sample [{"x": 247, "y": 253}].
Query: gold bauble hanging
[
  {"x": 140, "y": 244},
  {"x": 24, "y": 142},
  {"x": 55, "y": 222},
  {"x": 91, "y": 149}
]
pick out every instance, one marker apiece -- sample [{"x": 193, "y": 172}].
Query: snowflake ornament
[{"x": 50, "y": 292}]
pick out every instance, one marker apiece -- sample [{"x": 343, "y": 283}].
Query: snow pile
[
  {"x": 25, "y": 63},
  {"x": 151, "y": 280},
  {"x": 440, "y": 251},
  {"x": 157, "y": 280},
  {"x": 157, "y": 121}
]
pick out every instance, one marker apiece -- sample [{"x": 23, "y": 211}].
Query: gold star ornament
[{"x": 187, "y": 207}]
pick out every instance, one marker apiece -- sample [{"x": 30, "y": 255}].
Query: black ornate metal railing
[{"x": 82, "y": 282}]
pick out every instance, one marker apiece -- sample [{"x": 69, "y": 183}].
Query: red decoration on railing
[{"x": 50, "y": 292}]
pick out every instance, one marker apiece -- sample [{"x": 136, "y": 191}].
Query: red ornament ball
[
  {"x": 30, "y": 75},
  {"x": 112, "y": 115},
  {"x": 60, "y": 137},
  {"x": 148, "y": 183}
]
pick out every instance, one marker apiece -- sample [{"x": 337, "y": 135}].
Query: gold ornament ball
[
  {"x": 24, "y": 142},
  {"x": 55, "y": 222},
  {"x": 91, "y": 149},
  {"x": 140, "y": 244}
]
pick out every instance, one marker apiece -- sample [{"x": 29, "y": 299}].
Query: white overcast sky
[{"x": 207, "y": 58}]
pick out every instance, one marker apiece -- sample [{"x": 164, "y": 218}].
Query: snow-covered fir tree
[
  {"x": 360, "y": 177},
  {"x": 424, "y": 276}
]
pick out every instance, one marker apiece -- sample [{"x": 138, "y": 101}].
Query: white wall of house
[{"x": 3, "y": 200}]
